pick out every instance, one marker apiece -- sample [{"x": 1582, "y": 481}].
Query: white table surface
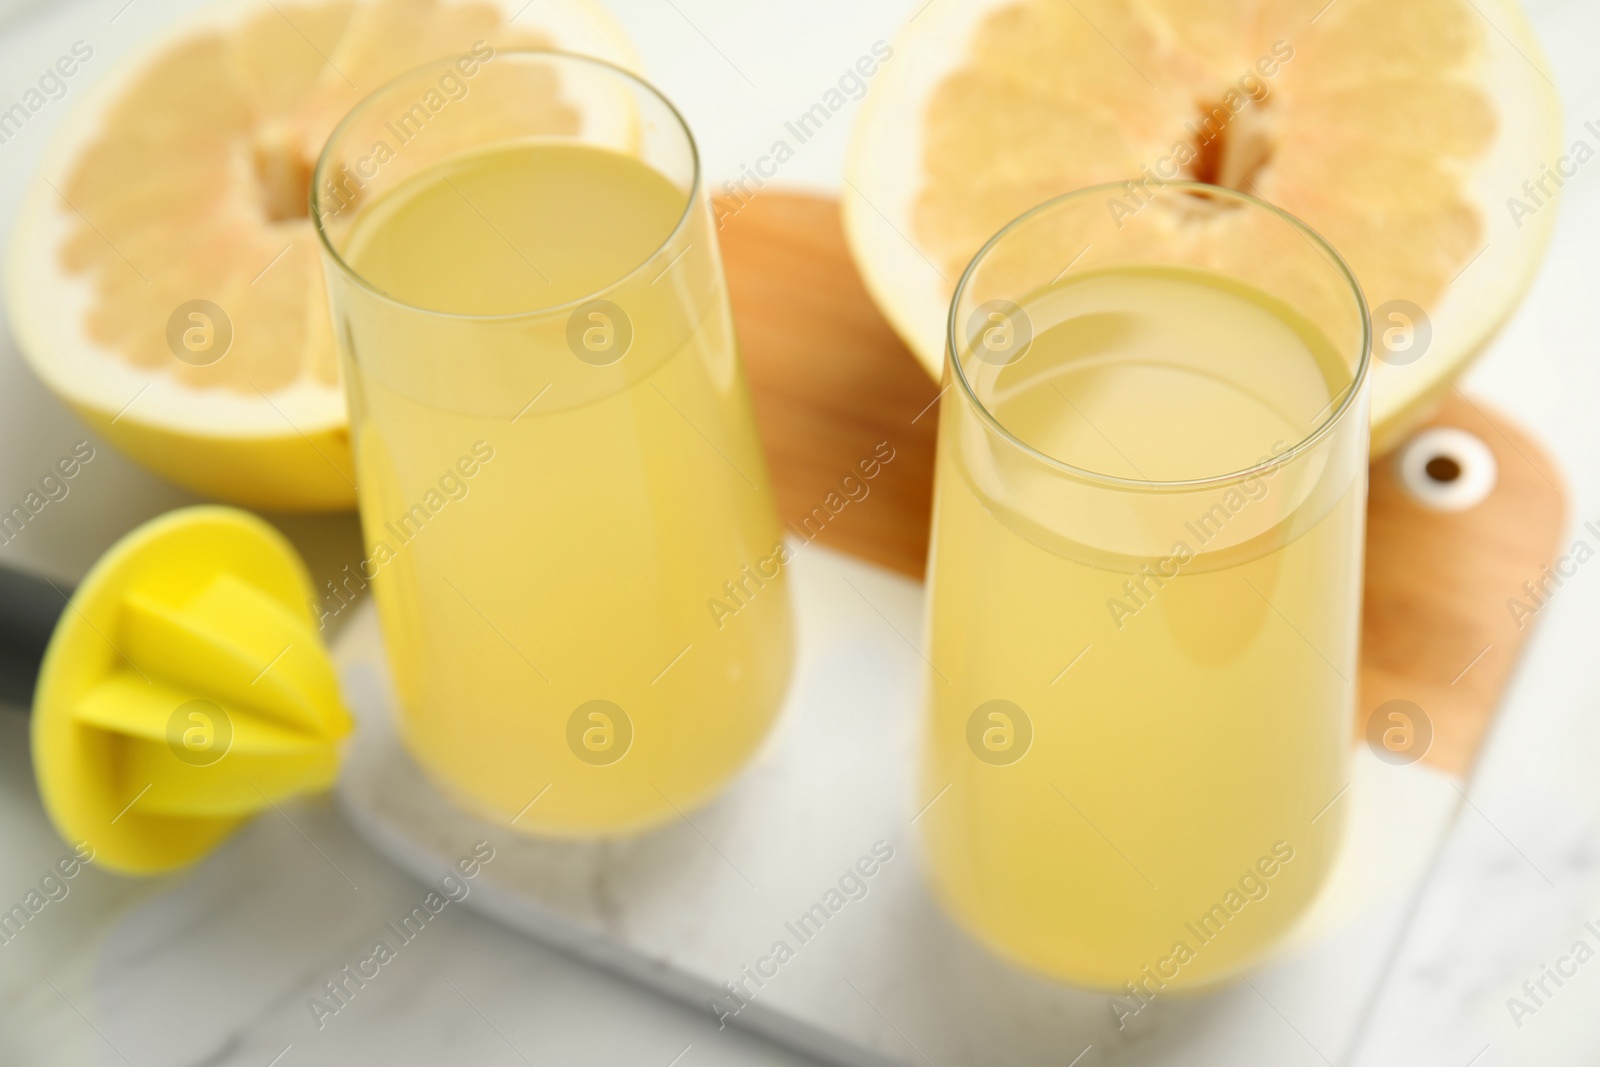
[{"x": 118, "y": 971}]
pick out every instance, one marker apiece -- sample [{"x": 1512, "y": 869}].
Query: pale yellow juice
[
  {"x": 546, "y": 531},
  {"x": 1188, "y": 697}
]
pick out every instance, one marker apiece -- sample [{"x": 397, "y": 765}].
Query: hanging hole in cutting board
[{"x": 1447, "y": 469}]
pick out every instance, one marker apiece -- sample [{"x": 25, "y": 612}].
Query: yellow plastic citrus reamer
[{"x": 184, "y": 688}]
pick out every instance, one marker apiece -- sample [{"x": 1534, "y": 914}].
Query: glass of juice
[
  {"x": 558, "y": 467},
  {"x": 1145, "y": 585}
]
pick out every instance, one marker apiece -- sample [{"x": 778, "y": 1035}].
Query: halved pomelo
[
  {"x": 1402, "y": 132},
  {"x": 164, "y": 277}
]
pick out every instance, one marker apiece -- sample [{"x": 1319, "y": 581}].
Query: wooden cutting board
[{"x": 831, "y": 380}]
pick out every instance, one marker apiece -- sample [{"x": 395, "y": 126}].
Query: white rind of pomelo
[{"x": 883, "y": 178}]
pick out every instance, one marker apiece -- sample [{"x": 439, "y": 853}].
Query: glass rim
[
  {"x": 690, "y": 201},
  {"x": 1358, "y": 380}
]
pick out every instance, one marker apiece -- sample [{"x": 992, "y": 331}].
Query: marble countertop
[{"x": 121, "y": 972}]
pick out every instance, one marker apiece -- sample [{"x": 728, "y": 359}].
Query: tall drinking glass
[
  {"x": 1145, "y": 584},
  {"x": 559, "y": 474}
]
